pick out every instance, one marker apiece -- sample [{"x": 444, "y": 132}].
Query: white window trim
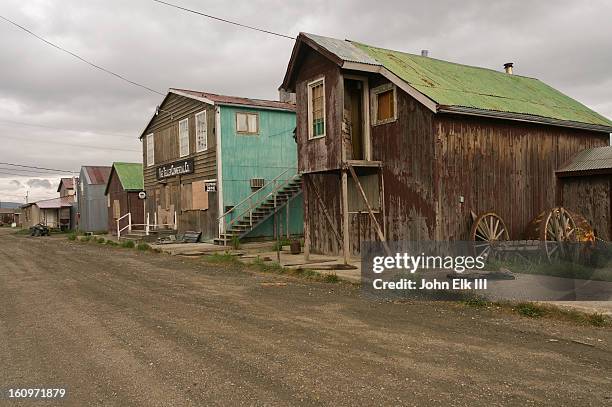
[
  {"x": 198, "y": 149},
  {"x": 180, "y": 138},
  {"x": 374, "y": 102},
  {"x": 309, "y": 87},
  {"x": 256, "y": 114},
  {"x": 150, "y": 157}
]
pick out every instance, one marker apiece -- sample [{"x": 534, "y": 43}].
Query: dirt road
[{"x": 122, "y": 328}]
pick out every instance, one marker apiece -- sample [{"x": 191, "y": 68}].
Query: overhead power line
[
  {"x": 38, "y": 168},
  {"x": 24, "y": 171},
  {"x": 101, "y": 68},
  {"x": 62, "y": 129},
  {"x": 250, "y": 27},
  {"x": 69, "y": 144}
]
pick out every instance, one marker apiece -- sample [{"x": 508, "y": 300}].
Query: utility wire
[
  {"x": 69, "y": 144},
  {"x": 26, "y": 172},
  {"x": 108, "y": 71},
  {"x": 38, "y": 168},
  {"x": 62, "y": 129},
  {"x": 224, "y": 20}
]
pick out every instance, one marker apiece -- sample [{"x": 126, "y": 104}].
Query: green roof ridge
[{"x": 454, "y": 84}]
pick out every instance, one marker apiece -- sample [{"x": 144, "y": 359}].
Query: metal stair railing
[{"x": 246, "y": 207}]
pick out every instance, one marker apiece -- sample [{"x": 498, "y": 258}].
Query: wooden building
[
  {"x": 8, "y": 216},
  {"x": 586, "y": 188},
  {"x": 427, "y": 142},
  {"x": 124, "y": 196},
  {"x": 93, "y": 211},
  {"x": 212, "y": 161},
  {"x": 54, "y": 213}
]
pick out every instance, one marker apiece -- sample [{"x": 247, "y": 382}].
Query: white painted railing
[{"x": 148, "y": 226}]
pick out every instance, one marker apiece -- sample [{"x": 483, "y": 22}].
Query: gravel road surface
[{"x": 117, "y": 327}]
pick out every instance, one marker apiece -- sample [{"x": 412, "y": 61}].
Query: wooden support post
[
  {"x": 381, "y": 189},
  {"x": 306, "y": 219},
  {"x": 287, "y": 219},
  {"x": 345, "y": 218}
]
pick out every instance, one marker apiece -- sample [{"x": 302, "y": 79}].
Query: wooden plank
[
  {"x": 379, "y": 231},
  {"x": 323, "y": 208},
  {"x": 345, "y": 220}
]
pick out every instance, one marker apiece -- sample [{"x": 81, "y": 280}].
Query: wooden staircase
[{"x": 261, "y": 211}]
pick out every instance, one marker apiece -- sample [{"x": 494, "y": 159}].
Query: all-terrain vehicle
[{"x": 39, "y": 230}]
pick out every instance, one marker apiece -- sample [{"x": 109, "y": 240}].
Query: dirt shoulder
[{"x": 120, "y": 327}]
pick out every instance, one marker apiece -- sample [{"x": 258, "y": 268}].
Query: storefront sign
[{"x": 176, "y": 168}]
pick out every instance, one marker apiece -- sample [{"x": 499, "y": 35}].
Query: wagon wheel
[
  {"x": 554, "y": 228},
  {"x": 487, "y": 228}
]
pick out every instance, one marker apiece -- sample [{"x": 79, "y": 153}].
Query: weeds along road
[{"x": 123, "y": 328}]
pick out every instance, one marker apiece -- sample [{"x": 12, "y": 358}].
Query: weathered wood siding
[
  {"x": 502, "y": 166},
  {"x": 167, "y": 195},
  {"x": 323, "y": 153},
  {"x": 128, "y": 202},
  {"x": 590, "y": 196}
]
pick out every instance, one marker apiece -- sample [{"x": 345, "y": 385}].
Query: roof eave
[
  {"x": 583, "y": 173},
  {"x": 470, "y": 111}
]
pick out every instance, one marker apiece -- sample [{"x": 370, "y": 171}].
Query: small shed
[
  {"x": 585, "y": 185},
  {"x": 55, "y": 213},
  {"x": 125, "y": 183},
  {"x": 93, "y": 212}
]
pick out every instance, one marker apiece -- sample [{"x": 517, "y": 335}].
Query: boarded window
[
  {"x": 201, "y": 132},
  {"x": 316, "y": 109},
  {"x": 150, "y": 150},
  {"x": 116, "y": 209},
  {"x": 384, "y": 104},
  {"x": 369, "y": 183},
  {"x": 247, "y": 123},
  {"x": 199, "y": 196},
  {"x": 184, "y": 137}
]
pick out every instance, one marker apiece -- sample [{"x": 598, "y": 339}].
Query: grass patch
[
  {"x": 221, "y": 258},
  {"x": 331, "y": 278},
  {"x": 111, "y": 243},
  {"x": 476, "y": 301},
  {"x": 278, "y": 245},
  {"x": 22, "y": 232},
  {"x": 530, "y": 310},
  {"x": 143, "y": 247},
  {"x": 101, "y": 240},
  {"x": 127, "y": 244},
  {"x": 72, "y": 236},
  {"x": 86, "y": 238}
]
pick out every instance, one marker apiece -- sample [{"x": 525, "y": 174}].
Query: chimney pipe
[
  {"x": 424, "y": 53},
  {"x": 508, "y": 67}
]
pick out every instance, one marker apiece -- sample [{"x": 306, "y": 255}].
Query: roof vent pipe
[
  {"x": 424, "y": 53},
  {"x": 508, "y": 67}
]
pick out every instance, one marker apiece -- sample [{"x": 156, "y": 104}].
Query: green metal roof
[
  {"x": 451, "y": 84},
  {"x": 130, "y": 175}
]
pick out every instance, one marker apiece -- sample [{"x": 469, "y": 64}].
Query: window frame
[
  {"x": 199, "y": 114},
  {"x": 309, "y": 86},
  {"x": 185, "y": 120},
  {"x": 248, "y": 133},
  {"x": 150, "y": 149},
  {"x": 374, "y": 103}
]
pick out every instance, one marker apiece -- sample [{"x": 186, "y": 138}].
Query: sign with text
[
  {"x": 211, "y": 186},
  {"x": 176, "y": 168}
]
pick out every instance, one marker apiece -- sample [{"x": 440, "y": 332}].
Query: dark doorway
[{"x": 353, "y": 119}]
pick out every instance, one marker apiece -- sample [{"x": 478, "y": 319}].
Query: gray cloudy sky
[{"x": 87, "y": 117}]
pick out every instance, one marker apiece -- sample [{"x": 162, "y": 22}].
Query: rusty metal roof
[
  {"x": 592, "y": 159},
  {"x": 343, "y": 49},
  {"x": 68, "y": 183},
  {"x": 96, "y": 175},
  {"x": 56, "y": 203},
  {"x": 235, "y": 100}
]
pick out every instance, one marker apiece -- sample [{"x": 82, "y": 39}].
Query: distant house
[
  {"x": 396, "y": 146},
  {"x": 66, "y": 186},
  {"x": 93, "y": 210},
  {"x": 9, "y": 216},
  {"x": 222, "y": 165},
  {"x": 125, "y": 183},
  {"x": 586, "y": 188},
  {"x": 55, "y": 213}
]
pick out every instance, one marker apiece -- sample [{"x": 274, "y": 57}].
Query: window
[
  {"x": 201, "y": 132},
  {"x": 384, "y": 104},
  {"x": 247, "y": 123},
  {"x": 150, "y": 150},
  {"x": 184, "y": 137},
  {"x": 316, "y": 109}
]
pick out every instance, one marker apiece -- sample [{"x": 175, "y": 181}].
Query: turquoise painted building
[{"x": 222, "y": 165}]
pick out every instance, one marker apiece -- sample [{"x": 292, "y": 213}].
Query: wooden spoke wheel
[
  {"x": 487, "y": 228},
  {"x": 556, "y": 229}
]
